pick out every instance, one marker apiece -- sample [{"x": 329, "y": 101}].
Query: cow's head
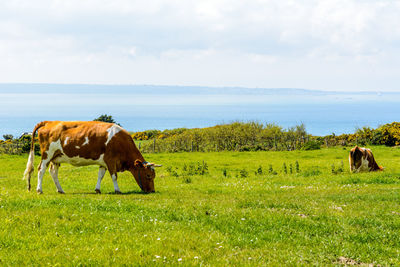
[
  {"x": 355, "y": 158},
  {"x": 144, "y": 174}
]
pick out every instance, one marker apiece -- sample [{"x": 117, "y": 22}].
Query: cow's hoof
[
  {"x": 61, "y": 192},
  {"x": 118, "y": 192},
  {"x": 98, "y": 191},
  {"x": 39, "y": 191}
]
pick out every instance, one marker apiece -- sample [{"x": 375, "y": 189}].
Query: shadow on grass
[
  {"x": 111, "y": 193},
  {"x": 133, "y": 193}
]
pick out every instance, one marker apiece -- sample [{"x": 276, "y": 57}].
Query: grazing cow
[
  {"x": 82, "y": 143},
  {"x": 361, "y": 159}
]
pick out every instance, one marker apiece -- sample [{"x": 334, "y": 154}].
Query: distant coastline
[{"x": 170, "y": 89}]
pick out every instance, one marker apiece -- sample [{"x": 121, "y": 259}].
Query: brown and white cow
[
  {"x": 82, "y": 143},
  {"x": 361, "y": 159}
]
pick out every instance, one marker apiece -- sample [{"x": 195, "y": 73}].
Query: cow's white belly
[{"x": 78, "y": 161}]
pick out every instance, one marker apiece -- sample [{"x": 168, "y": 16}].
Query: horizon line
[{"x": 199, "y": 86}]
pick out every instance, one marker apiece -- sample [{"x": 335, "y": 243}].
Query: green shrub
[
  {"x": 172, "y": 171},
  {"x": 243, "y": 173},
  {"x": 199, "y": 168},
  {"x": 337, "y": 170},
  {"x": 284, "y": 168},
  {"x": 313, "y": 171},
  {"x": 259, "y": 171},
  {"x": 312, "y": 145},
  {"x": 8, "y": 137}
]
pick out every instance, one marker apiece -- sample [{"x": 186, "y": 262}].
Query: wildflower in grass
[
  {"x": 337, "y": 208},
  {"x": 287, "y": 186}
]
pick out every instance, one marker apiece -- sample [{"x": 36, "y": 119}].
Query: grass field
[{"x": 228, "y": 216}]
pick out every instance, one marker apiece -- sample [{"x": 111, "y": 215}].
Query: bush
[
  {"x": 297, "y": 166},
  {"x": 259, "y": 171},
  {"x": 236, "y": 136},
  {"x": 284, "y": 168},
  {"x": 312, "y": 145},
  {"x": 172, "y": 171},
  {"x": 243, "y": 173},
  {"x": 271, "y": 170},
  {"x": 337, "y": 170},
  {"x": 8, "y": 137},
  {"x": 390, "y": 134},
  {"x": 106, "y": 118}
]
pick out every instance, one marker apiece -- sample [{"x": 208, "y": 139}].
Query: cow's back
[{"x": 82, "y": 141}]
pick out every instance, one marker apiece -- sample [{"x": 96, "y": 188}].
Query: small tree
[
  {"x": 106, "y": 118},
  {"x": 8, "y": 137}
]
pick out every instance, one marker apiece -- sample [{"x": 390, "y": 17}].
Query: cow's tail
[{"x": 29, "y": 165}]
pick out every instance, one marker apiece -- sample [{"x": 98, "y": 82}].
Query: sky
[{"x": 341, "y": 45}]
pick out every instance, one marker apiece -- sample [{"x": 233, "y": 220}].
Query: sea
[{"x": 144, "y": 107}]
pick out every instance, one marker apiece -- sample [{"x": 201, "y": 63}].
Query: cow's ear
[{"x": 138, "y": 163}]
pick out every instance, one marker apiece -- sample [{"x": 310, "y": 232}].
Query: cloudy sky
[{"x": 314, "y": 44}]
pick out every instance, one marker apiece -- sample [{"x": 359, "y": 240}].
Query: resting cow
[
  {"x": 82, "y": 143},
  {"x": 361, "y": 159}
]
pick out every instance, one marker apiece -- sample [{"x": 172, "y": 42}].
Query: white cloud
[{"x": 350, "y": 44}]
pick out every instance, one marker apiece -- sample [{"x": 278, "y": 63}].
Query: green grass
[{"x": 311, "y": 217}]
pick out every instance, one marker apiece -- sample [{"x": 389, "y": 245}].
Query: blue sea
[{"x": 139, "y": 108}]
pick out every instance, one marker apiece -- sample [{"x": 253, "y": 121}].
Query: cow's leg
[
  {"x": 41, "y": 170},
  {"x": 102, "y": 171},
  {"x": 116, "y": 188},
  {"x": 54, "y": 174}
]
